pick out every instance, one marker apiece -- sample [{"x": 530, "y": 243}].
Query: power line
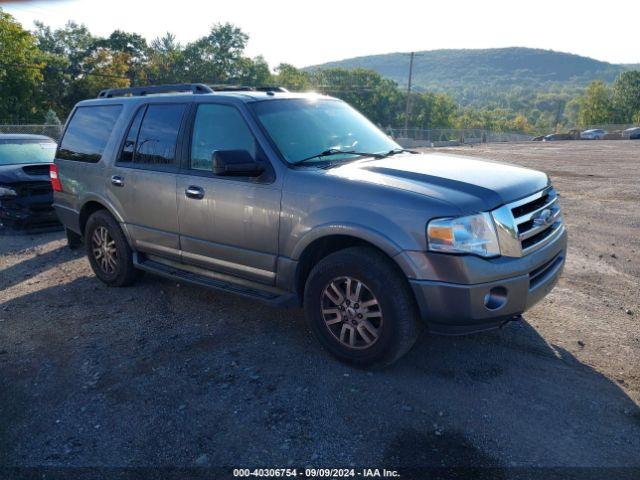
[{"x": 42, "y": 67}]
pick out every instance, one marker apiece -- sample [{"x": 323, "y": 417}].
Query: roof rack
[
  {"x": 195, "y": 88},
  {"x": 272, "y": 89},
  {"x": 243, "y": 88}
]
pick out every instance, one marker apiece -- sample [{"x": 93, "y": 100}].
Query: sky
[{"x": 307, "y": 33}]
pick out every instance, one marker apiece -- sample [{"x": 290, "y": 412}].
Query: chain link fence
[
  {"x": 409, "y": 138},
  {"x": 52, "y": 131},
  {"x": 415, "y": 137}
]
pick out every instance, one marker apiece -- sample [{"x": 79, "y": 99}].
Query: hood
[
  {"x": 24, "y": 172},
  {"x": 471, "y": 184}
]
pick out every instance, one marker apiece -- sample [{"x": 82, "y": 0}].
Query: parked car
[
  {"x": 25, "y": 188},
  {"x": 632, "y": 133},
  {"x": 552, "y": 137},
  {"x": 593, "y": 134},
  {"x": 297, "y": 199}
]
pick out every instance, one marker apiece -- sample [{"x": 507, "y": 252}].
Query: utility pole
[{"x": 408, "y": 105}]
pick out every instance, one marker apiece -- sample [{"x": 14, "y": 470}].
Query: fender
[{"x": 362, "y": 232}]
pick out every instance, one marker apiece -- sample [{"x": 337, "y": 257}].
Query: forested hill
[{"x": 459, "y": 71}]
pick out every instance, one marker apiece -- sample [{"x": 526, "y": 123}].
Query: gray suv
[{"x": 297, "y": 199}]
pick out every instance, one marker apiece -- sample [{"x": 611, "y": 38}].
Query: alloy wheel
[
  {"x": 104, "y": 250},
  {"x": 351, "y": 312}
]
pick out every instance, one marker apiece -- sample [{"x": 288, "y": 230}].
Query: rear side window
[
  {"x": 156, "y": 143},
  {"x": 88, "y": 133},
  {"x": 129, "y": 147}
]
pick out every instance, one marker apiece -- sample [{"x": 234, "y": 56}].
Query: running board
[{"x": 174, "y": 273}]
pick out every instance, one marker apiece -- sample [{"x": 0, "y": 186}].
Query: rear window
[
  {"x": 19, "y": 151},
  {"x": 88, "y": 133}
]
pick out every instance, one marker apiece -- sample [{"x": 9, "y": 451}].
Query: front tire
[
  {"x": 109, "y": 253},
  {"x": 359, "y": 306}
]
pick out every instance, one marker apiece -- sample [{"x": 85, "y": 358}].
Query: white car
[{"x": 593, "y": 134}]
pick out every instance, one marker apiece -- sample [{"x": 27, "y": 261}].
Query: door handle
[
  {"x": 193, "y": 191},
  {"x": 117, "y": 180}
]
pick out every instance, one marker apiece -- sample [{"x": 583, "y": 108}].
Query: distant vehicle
[
  {"x": 632, "y": 133},
  {"x": 26, "y": 195},
  {"x": 552, "y": 137},
  {"x": 593, "y": 134}
]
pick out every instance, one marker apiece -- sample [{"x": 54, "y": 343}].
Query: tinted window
[
  {"x": 158, "y": 135},
  {"x": 129, "y": 146},
  {"x": 218, "y": 127},
  {"x": 18, "y": 150},
  {"x": 88, "y": 133}
]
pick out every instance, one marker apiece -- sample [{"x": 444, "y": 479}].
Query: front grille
[
  {"x": 528, "y": 224},
  {"x": 537, "y": 220},
  {"x": 530, "y": 207}
]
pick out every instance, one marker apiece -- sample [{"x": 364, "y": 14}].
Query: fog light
[{"x": 495, "y": 298}]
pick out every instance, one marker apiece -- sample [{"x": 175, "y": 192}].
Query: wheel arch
[
  {"x": 92, "y": 205},
  {"x": 322, "y": 246}
]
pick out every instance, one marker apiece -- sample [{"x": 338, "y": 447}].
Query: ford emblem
[{"x": 545, "y": 217}]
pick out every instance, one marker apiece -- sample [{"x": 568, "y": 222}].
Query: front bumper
[{"x": 461, "y": 308}]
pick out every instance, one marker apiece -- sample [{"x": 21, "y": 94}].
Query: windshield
[
  {"x": 18, "y": 151},
  {"x": 302, "y": 128}
]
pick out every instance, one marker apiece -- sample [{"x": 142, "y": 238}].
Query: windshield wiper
[
  {"x": 336, "y": 151},
  {"x": 395, "y": 151}
]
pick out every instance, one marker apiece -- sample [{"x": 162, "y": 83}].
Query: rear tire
[
  {"x": 109, "y": 253},
  {"x": 359, "y": 306},
  {"x": 74, "y": 241}
]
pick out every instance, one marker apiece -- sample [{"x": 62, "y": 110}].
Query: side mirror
[{"x": 238, "y": 163}]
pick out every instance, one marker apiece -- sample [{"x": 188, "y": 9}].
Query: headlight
[
  {"x": 6, "y": 192},
  {"x": 475, "y": 234}
]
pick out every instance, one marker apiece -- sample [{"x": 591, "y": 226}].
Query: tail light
[{"x": 55, "y": 180}]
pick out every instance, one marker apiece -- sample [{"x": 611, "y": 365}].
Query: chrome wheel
[
  {"x": 351, "y": 312},
  {"x": 104, "y": 250}
]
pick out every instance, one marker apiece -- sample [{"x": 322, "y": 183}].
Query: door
[
  {"x": 227, "y": 224},
  {"x": 143, "y": 179}
]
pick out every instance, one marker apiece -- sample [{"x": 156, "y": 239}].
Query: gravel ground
[{"x": 175, "y": 375}]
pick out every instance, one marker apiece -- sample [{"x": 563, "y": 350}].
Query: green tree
[
  {"x": 103, "y": 69},
  {"x": 217, "y": 57},
  {"x": 135, "y": 50},
  {"x": 429, "y": 110},
  {"x": 65, "y": 53},
  {"x": 51, "y": 118},
  {"x": 73, "y": 42},
  {"x": 292, "y": 78},
  {"x": 20, "y": 72},
  {"x": 626, "y": 96},
  {"x": 376, "y": 97},
  {"x": 166, "y": 61},
  {"x": 596, "y": 105},
  {"x": 253, "y": 72}
]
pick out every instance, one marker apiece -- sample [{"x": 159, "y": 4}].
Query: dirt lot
[{"x": 176, "y": 375}]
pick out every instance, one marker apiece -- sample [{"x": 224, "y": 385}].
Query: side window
[
  {"x": 158, "y": 135},
  {"x": 88, "y": 133},
  {"x": 218, "y": 127},
  {"x": 129, "y": 147}
]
